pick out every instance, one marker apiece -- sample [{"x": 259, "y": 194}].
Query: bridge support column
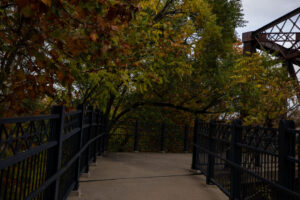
[{"x": 249, "y": 43}]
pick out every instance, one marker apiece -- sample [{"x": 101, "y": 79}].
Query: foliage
[
  {"x": 262, "y": 88},
  {"x": 211, "y": 56},
  {"x": 42, "y": 44},
  {"x": 161, "y": 59},
  {"x": 161, "y": 40}
]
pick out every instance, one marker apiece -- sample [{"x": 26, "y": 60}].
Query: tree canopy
[{"x": 154, "y": 58}]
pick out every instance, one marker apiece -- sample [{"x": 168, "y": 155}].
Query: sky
[{"x": 261, "y": 12}]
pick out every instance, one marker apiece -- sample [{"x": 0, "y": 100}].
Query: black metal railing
[
  {"x": 248, "y": 162},
  {"x": 42, "y": 157},
  {"x": 144, "y": 136}
]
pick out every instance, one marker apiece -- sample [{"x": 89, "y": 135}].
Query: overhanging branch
[{"x": 161, "y": 104}]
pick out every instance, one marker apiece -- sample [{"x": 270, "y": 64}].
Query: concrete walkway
[{"x": 145, "y": 176}]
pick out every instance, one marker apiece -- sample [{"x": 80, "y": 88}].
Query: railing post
[
  {"x": 57, "y": 151},
  {"x": 98, "y": 132},
  {"x": 212, "y": 148},
  {"x": 103, "y": 133},
  {"x": 94, "y": 134},
  {"x": 196, "y": 143},
  {"x": 257, "y": 154},
  {"x": 286, "y": 171},
  {"x": 298, "y": 153},
  {"x": 96, "y": 147},
  {"x": 87, "y": 169},
  {"x": 186, "y": 136},
  {"x": 80, "y": 137},
  {"x": 136, "y": 137},
  {"x": 236, "y": 157},
  {"x": 105, "y": 122},
  {"x": 163, "y": 137},
  {"x": 228, "y": 157}
]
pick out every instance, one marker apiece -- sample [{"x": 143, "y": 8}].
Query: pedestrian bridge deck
[{"x": 145, "y": 176}]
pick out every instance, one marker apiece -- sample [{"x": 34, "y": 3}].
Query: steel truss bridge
[{"x": 282, "y": 37}]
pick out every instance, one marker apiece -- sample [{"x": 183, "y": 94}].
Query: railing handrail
[{"x": 27, "y": 119}]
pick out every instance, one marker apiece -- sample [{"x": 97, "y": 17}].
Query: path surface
[{"x": 145, "y": 176}]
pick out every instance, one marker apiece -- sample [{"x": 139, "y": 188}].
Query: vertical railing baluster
[
  {"x": 212, "y": 148},
  {"x": 286, "y": 171},
  {"x": 236, "y": 157},
  {"x": 80, "y": 138},
  {"x": 297, "y": 146},
  {"x": 103, "y": 133},
  {"x": 257, "y": 156},
  {"x": 95, "y": 135},
  {"x": 87, "y": 168},
  {"x": 186, "y": 137},
  {"x": 106, "y": 132},
  {"x": 136, "y": 137},
  {"x": 163, "y": 137},
  {"x": 196, "y": 143},
  {"x": 98, "y": 132}
]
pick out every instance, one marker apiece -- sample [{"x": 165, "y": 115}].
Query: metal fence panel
[
  {"x": 41, "y": 157},
  {"x": 248, "y": 162}
]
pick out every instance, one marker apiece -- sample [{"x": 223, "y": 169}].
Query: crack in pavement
[{"x": 139, "y": 177}]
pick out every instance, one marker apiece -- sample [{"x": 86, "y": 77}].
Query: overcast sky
[{"x": 260, "y": 12}]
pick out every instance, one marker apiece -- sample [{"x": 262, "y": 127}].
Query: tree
[
  {"x": 261, "y": 88},
  {"x": 162, "y": 38},
  {"x": 214, "y": 87},
  {"x": 210, "y": 57},
  {"x": 121, "y": 56},
  {"x": 44, "y": 42}
]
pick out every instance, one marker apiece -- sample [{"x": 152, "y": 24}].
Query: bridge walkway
[{"x": 145, "y": 176}]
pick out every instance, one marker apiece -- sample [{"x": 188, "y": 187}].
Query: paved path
[{"x": 145, "y": 176}]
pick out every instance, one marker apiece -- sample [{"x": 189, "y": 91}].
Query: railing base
[
  {"x": 75, "y": 193},
  {"x": 196, "y": 171},
  {"x": 93, "y": 164},
  {"x": 86, "y": 175}
]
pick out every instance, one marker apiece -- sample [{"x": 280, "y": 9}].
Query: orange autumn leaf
[{"x": 94, "y": 37}]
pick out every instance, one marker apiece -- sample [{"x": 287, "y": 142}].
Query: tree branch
[
  {"x": 7, "y": 5},
  {"x": 119, "y": 102},
  {"x": 161, "y": 104},
  {"x": 161, "y": 13}
]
